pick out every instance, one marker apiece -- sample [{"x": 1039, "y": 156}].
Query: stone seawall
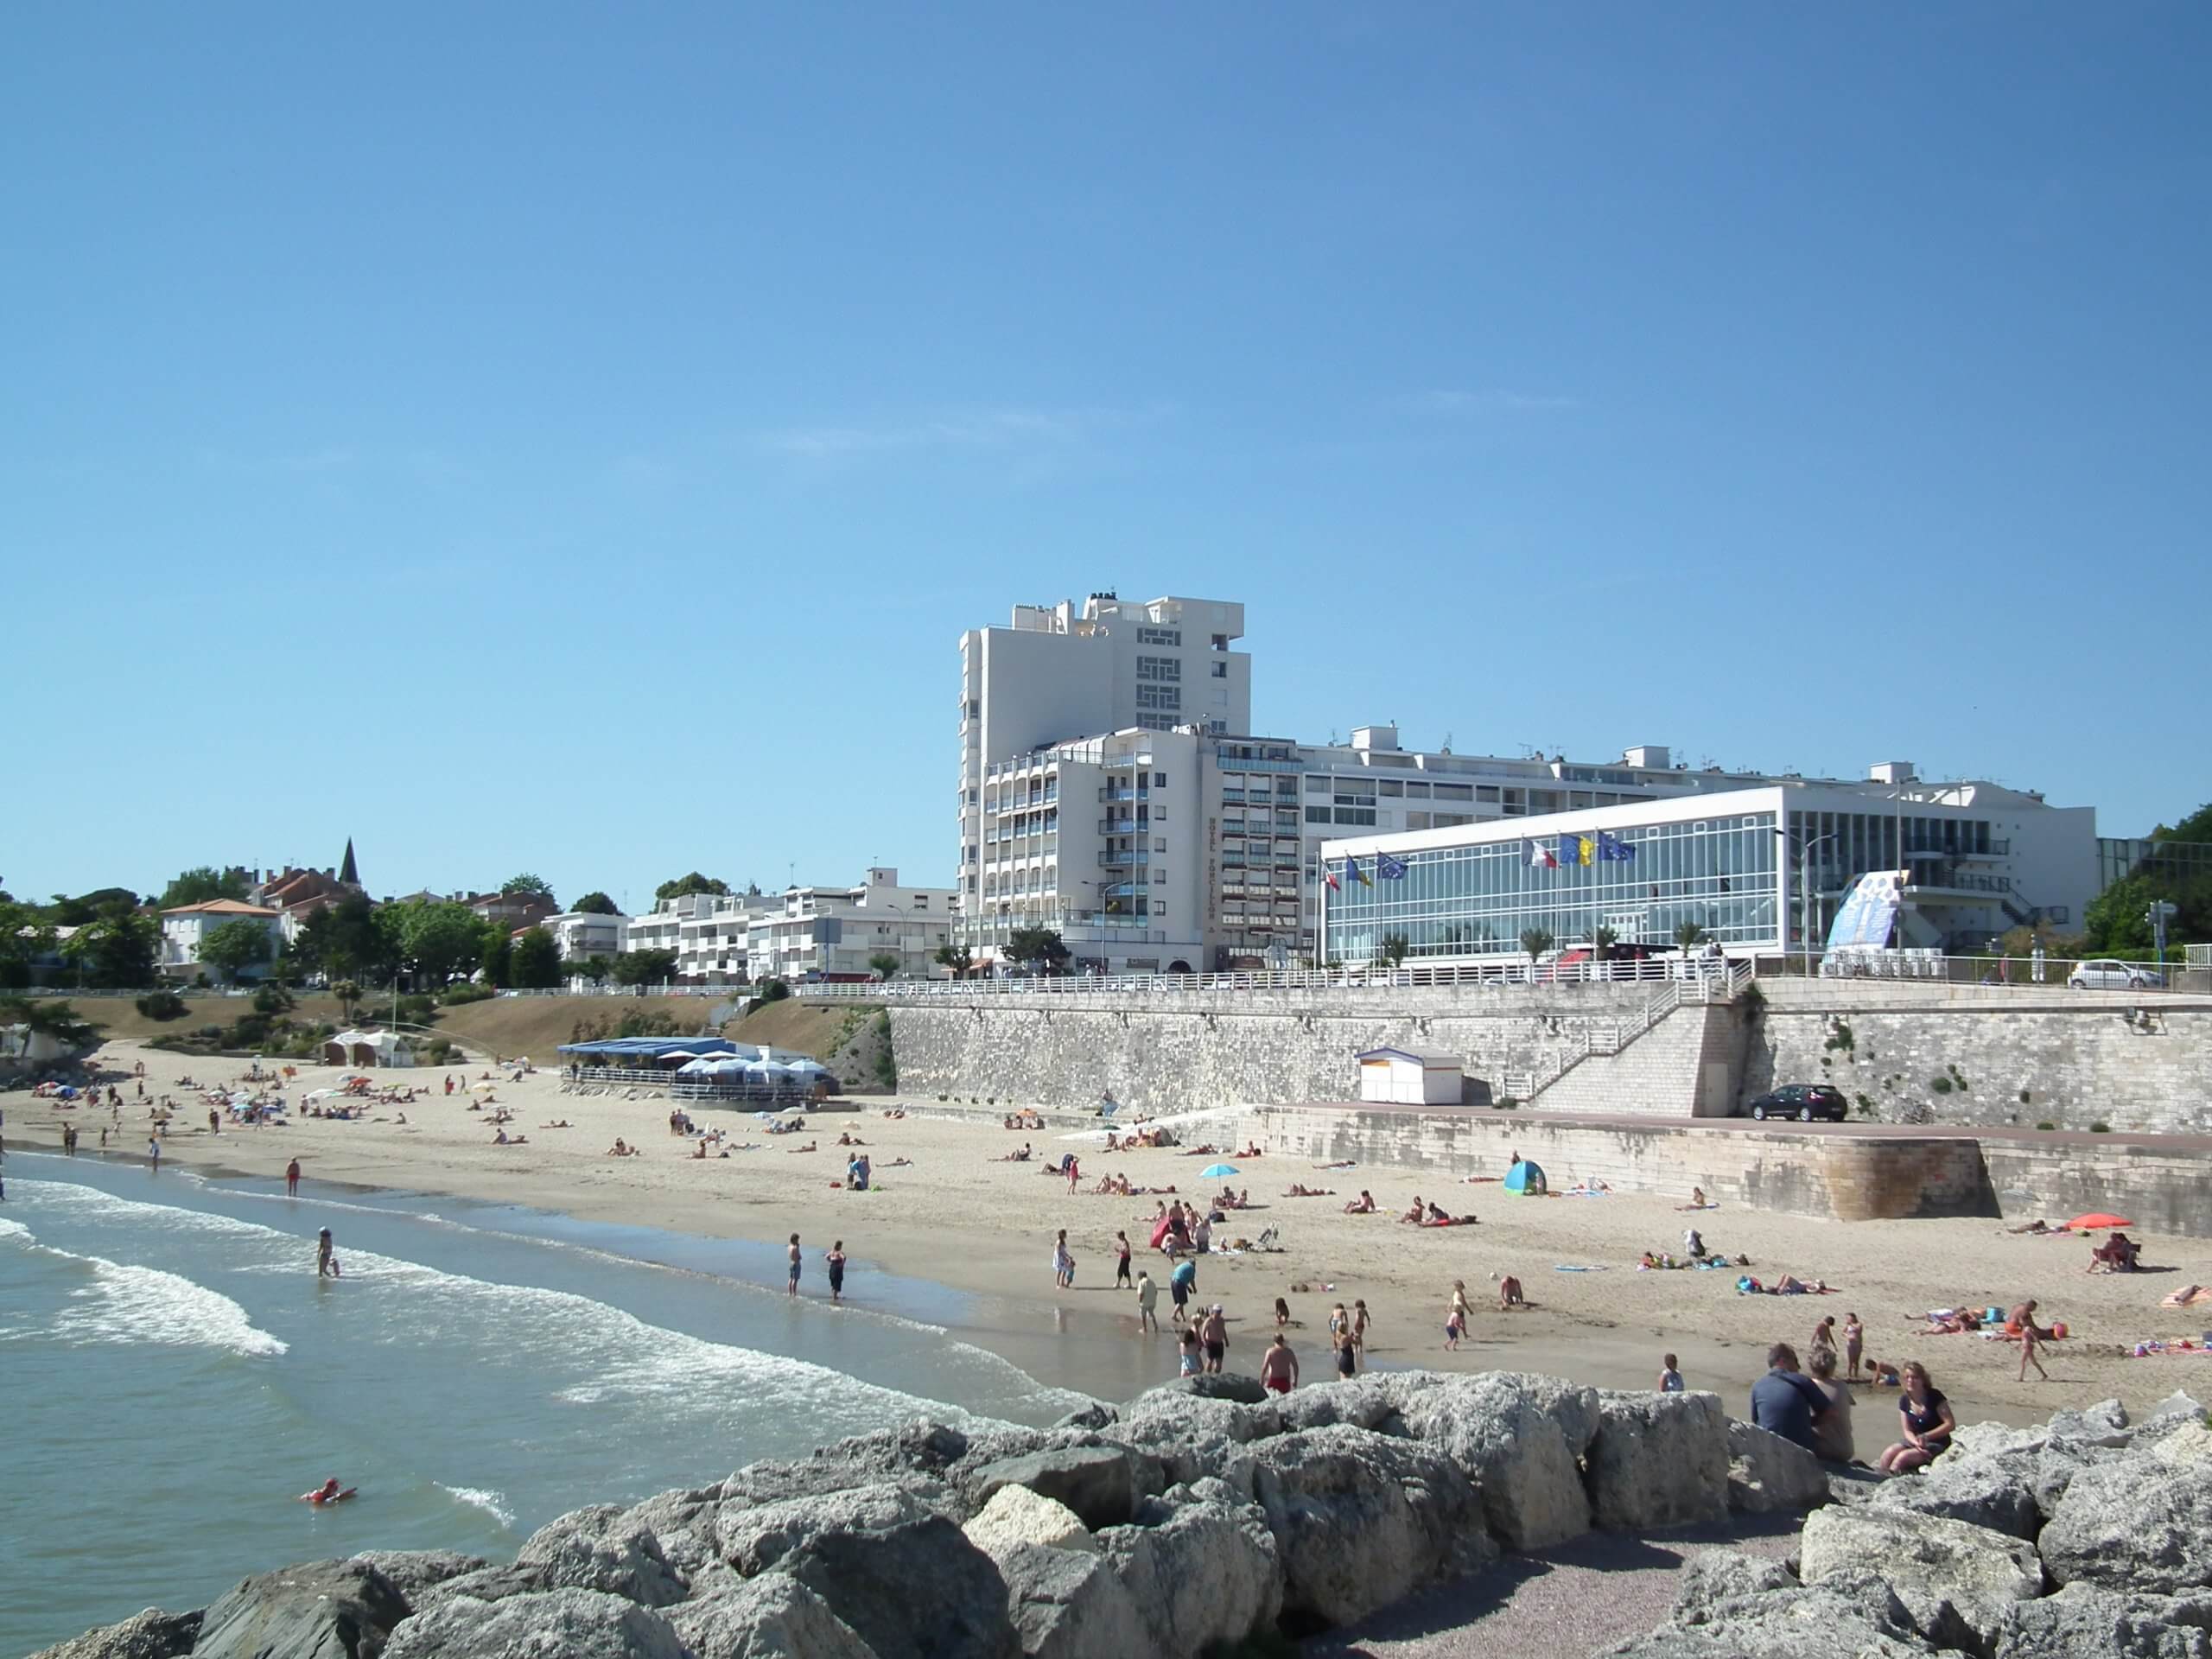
[
  {"x": 1163, "y": 1053},
  {"x": 2070, "y": 1067},
  {"x": 1986, "y": 1062},
  {"x": 1789, "y": 1172}
]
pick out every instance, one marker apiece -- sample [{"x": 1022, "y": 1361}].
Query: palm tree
[
  {"x": 1535, "y": 941},
  {"x": 348, "y": 992},
  {"x": 1602, "y": 941},
  {"x": 1391, "y": 950},
  {"x": 1689, "y": 936}
]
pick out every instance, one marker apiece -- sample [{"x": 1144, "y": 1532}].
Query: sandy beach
[{"x": 962, "y": 1217}]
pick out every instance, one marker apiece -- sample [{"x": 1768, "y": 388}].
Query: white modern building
[
  {"x": 814, "y": 933},
  {"x": 709, "y": 933},
  {"x": 185, "y": 929},
  {"x": 1759, "y": 871},
  {"x": 1070, "y": 671},
  {"x": 583, "y": 934}
]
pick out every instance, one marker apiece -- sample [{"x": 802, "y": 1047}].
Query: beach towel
[
  {"x": 2187, "y": 1296},
  {"x": 1563, "y": 1266}
]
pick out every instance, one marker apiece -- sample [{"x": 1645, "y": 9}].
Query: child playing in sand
[
  {"x": 1360, "y": 1321},
  {"x": 2031, "y": 1340},
  {"x": 1455, "y": 1326}
]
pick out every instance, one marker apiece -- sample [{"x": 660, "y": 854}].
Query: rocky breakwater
[
  {"x": 2089, "y": 1537},
  {"x": 1205, "y": 1512}
]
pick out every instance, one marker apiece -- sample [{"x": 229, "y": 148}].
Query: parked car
[
  {"x": 1803, "y": 1101},
  {"x": 2106, "y": 974}
]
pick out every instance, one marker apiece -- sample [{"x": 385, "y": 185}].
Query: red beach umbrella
[{"x": 2098, "y": 1222}]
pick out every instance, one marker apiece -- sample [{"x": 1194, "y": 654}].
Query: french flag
[{"x": 1539, "y": 856}]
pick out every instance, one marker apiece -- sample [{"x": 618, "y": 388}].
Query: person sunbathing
[
  {"x": 808, "y": 1147},
  {"x": 557, "y": 1123},
  {"x": 849, "y": 1140},
  {"x": 1361, "y": 1205},
  {"x": 620, "y": 1148},
  {"x": 896, "y": 1163},
  {"x": 702, "y": 1151},
  {"x": 1440, "y": 1217},
  {"x": 503, "y": 1138},
  {"x": 2116, "y": 1255},
  {"x": 1414, "y": 1213},
  {"x": 1251, "y": 1151},
  {"x": 1300, "y": 1189}
]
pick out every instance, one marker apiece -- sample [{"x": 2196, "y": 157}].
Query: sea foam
[
  {"x": 476, "y": 1498},
  {"x": 128, "y": 1304}
]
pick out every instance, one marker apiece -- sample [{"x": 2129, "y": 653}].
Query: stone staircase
[{"x": 1673, "y": 1062}]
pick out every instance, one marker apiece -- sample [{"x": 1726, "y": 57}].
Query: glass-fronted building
[{"x": 1757, "y": 871}]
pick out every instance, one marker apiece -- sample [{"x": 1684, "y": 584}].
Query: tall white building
[{"x": 1064, "y": 671}]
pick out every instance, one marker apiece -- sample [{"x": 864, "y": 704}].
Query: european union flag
[
  {"x": 1614, "y": 850},
  {"x": 1388, "y": 868}
]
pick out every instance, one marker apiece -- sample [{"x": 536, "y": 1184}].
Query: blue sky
[{"x": 573, "y": 439}]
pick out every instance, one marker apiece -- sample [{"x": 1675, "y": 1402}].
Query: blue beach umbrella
[{"x": 1218, "y": 1172}]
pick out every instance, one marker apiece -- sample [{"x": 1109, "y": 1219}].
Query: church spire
[{"x": 347, "y": 875}]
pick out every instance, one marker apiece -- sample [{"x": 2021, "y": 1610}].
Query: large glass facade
[{"x": 1722, "y": 874}]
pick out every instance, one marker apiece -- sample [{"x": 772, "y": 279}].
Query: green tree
[
  {"x": 1390, "y": 950},
  {"x": 534, "y": 962},
  {"x": 885, "y": 963},
  {"x": 596, "y": 904},
  {"x": 273, "y": 999},
  {"x": 434, "y": 938},
  {"x": 2117, "y": 919},
  {"x": 644, "y": 966},
  {"x": 1602, "y": 941},
  {"x": 959, "y": 958},
  {"x": 2196, "y": 827},
  {"x": 594, "y": 968},
  {"x": 89, "y": 907},
  {"x": 684, "y": 884},
  {"x": 232, "y": 947},
  {"x": 1689, "y": 936},
  {"x": 535, "y": 886},
  {"x": 344, "y": 940},
  {"x": 200, "y": 884},
  {"x": 1039, "y": 948},
  {"x": 499, "y": 954},
  {"x": 24, "y": 934},
  {"x": 116, "y": 950},
  {"x": 1535, "y": 941},
  {"x": 348, "y": 992}
]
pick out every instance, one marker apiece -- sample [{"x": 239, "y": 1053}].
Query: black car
[{"x": 1803, "y": 1101}]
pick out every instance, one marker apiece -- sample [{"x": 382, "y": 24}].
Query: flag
[
  {"x": 1585, "y": 849},
  {"x": 1352, "y": 869},
  {"x": 1388, "y": 868},
  {"x": 1613, "y": 850},
  {"x": 1570, "y": 850},
  {"x": 1330, "y": 876},
  {"x": 1539, "y": 856}
]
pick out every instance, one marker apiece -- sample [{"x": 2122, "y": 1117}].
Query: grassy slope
[
  {"x": 538, "y": 1026},
  {"x": 118, "y": 1017}
]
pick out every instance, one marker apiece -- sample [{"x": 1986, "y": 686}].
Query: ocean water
[{"x": 174, "y": 1374}]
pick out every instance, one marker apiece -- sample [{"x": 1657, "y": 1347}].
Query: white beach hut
[{"x": 1410, "y": 1076}]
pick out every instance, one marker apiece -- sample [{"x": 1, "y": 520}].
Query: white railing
[
  {"x": 2005, "y": 972},
  {"x": 1706, "y": 980}
]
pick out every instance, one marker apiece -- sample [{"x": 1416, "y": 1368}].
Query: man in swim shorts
[
  {"x": 1279, "y": 1367},
  {"x": 793, "y": 1253}
]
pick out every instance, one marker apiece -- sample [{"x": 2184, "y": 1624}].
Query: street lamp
[
  {"x": 1805, "y": 886},
  {"x": 899, "y": 940}
]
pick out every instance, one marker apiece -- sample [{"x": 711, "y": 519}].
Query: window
[
  {"x": 1316, "y": 815},
  {"x": 1355, "y": 814},
  {"x": 1160, "y": 780},
  {"x": 1455, "y": 792},
  {"x": 1391, "y": 786},
  {"x": 1159, "y": 845},
  {"x": 1159, "y": 697},
  {"x": 1419, "y": 791},
  {"x": 1160, "y": 668},
  {"x": 1221, "y": 670},
  {"x": 1221, "y": 642},
  {"x": 1148, "y": 636},
  {"x": 1317, "y": 785}
]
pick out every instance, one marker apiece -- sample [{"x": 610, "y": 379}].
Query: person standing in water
[
  {"x": 837, "y": 1260},
  {"x": 326, "y": 1262},
  {"x": 292, "y": 1179},
  {"x": 793, "y": 1253}
]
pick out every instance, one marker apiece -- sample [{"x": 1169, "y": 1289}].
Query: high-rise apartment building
[{"x": 1068, "y": 671}]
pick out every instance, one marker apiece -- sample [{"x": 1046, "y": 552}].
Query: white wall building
[
  {"x": 583, "y": 934},
  {"x": 831, "y": 932},
  {"x": 185, "y": 928}
]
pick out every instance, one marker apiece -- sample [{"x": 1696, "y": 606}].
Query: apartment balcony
[
  {"x": 1117, "y": 826},
  {"x": 1127, "y": 855}
]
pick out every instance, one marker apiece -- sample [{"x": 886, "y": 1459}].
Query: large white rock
[
  {"x": 1767, "y": 1473},
  {"x": 1658, "y": 1460},
  {"x": 1522, "y": 1437},
  {"x": 1208, "y": 1572},
  {"x": 1016, "y": 1515},
  {"x": 2142, "y": 1523},
  {"x": 1068, "y": 1603},
  {"x": 2084, "y": 1619},
  {"x": 600, "y": 1547},
  {"x": 1361, "y": 1519},
  {"x": 772, "y": 1617},
  {"x": 546, "y": 1625},
  {"x": 1957, "y": 1580}
]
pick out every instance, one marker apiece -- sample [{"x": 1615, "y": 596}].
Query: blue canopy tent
[{"x": 1526, "y": 1179}]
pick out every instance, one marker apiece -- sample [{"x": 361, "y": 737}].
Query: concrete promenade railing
[{"x": 1697, "y": 980}]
